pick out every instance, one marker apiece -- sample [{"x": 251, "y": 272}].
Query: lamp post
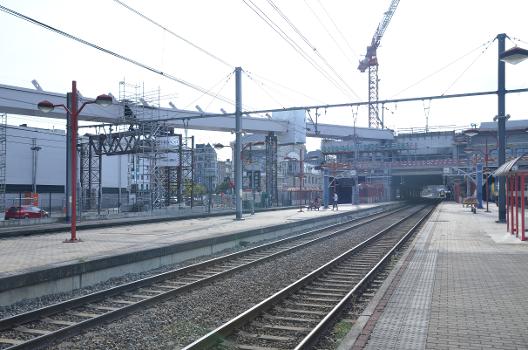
[
  {"x": 46, "y": 107},
  {"x": 35, "y": 150},
  {"x": 514, "y": 55},
  {"x": 473, "y": 132}
]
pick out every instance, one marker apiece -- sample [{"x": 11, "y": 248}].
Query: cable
[
  {"x": 441, "y": 69},
  {"x": 175, "y": 35},
  {"x": 312, "y": 47},
  {"x": 291, "y": 42},
  {"x": 124, "y": 58},
  {"x": 337, "y": 28},
  {"x": 255, "y": 76},
  {"x": 261, "y": 86},
  {"x": 220, "y": 90},
  {"x": 210, "y": 89},
  {"x": 467, "y": 68},
  {"x": 328, "y": 32},
  {"x": 201, "y": 49}
]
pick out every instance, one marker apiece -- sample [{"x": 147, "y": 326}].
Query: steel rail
[
  {"x": 330, "y": 318},
  {"x": 39, "y": 314},
  {"x": 212, "y": 338}
]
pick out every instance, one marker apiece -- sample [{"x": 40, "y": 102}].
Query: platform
[
  {"x": 463, "y": 285},
  {"x": 109, "y": 252}
]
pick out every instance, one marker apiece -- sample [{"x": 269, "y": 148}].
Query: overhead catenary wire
[
  {"x": 441, "y": 68},
  {"x": 213, "y": 56},
  {"x": 229, "y": 77},
  {"x": 318, "y": 18},
  {"x": 262, "y": 15},
  {"x": 112, "y": 53},
  {"x": 282, "y": 86},
  {"x": 224, "y": 79},
  {"x": 208, "y": 53},
  {"x": 467, "y": 68},
  {"x": 337, "y": 28},
  {"x": 312, "y": 46},
  {"x": 261, "y": 86}
]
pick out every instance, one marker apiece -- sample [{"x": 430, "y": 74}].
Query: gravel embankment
[{"x": 175, "y": 323}]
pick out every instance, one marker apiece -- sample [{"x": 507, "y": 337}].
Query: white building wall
[{"x": 51, "y": 167}]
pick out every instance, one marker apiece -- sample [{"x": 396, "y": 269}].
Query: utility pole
[
  {"x": 35, "y": 150},
  {"x": 68, "y": 185},
  {"x": 501, "y": 125},
  {"x": 238, "y": 145}
]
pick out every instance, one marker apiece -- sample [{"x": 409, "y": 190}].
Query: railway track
[
  {"x": 53, "y": 323},
  {"x": 299, "y": 315}
]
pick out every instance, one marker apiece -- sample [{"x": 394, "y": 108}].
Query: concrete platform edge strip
[
  {"x": 12, "y": 284},
  {"x": 20, "y": 231}
]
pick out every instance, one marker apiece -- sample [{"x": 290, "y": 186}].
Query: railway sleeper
[
  {"x": 273, "y": 338},
  {"x": 299, "y": 311},
  {"x": 315, "y": 299},
  {"x": 309, "y": 305},
  {"x": 281, "y": 327},
  {"x": 335, "y": 295},
  {"x": 290, "y": 319},
  {"x": 327, "y": 289}
]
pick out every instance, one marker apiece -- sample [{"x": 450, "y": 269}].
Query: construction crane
[{"x": 371, "y": 62}]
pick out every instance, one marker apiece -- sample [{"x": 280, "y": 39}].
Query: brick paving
[
  {"x": 27, "y": 253},
  {"x": 464, "y": 287}
]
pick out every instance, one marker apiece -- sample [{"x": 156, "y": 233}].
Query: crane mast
[{"x": 370, "y": 62}]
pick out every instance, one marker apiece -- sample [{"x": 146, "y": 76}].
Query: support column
[
  {"x": 67, "y": 187},
  {"x": 479, "y": 185},
  {"x": 523, "y": 235},
  {"x": 326, "y": 192},
  {"x": 516, "y": 205},
  {"x": 501, "y": 125},
  {"x": 238, "y": 140}
]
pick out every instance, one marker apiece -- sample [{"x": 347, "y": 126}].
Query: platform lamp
[
  {"x": 470, "y": 133},
  {"x": 46, "y": 107}
]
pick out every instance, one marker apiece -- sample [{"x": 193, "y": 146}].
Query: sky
[{"x": 429, "y": 48}]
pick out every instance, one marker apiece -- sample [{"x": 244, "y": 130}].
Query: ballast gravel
[{"x": 179, "y": 321}]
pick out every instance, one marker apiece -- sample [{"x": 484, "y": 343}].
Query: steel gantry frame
[
  {"x": 164, "y": 158},
  {"x": 3, "y": 159},
  {"x": 271, "y": 169}
]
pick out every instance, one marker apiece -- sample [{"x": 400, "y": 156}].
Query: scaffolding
[
  {"x": 90, "y": 178},
  {"x": 3, "y": 159},
  {"x": 158, "y": 159}
]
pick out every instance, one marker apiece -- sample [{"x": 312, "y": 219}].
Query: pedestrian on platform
[{"x": 336, "y": 198}]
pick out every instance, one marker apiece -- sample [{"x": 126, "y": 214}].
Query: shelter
[{"x": 515, "y": 172}]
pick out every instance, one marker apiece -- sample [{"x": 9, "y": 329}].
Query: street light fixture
[
  {"x": 473, "y": 131},
  {"x": 514, "y": 55},
  {"x": 46, "y": 107}
]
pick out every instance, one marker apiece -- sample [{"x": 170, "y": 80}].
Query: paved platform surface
[
  {"x": 464, "y": 285},
  {"x": 27, "y": 253}
]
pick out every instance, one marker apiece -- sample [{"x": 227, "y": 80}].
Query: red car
[{"x": 25, "y": 212}]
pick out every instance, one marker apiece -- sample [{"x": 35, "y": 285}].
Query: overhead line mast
[{"x": 371, "y": 62}]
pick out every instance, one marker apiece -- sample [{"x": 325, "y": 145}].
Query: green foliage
[{"x": 198, "y": 189}]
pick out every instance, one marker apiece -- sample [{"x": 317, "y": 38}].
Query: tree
[{"x": 197, "y": 189}]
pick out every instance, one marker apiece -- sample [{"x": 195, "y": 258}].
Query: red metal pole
[
  {"x": 74, "y": 115},
  {"x": 487, "y": 177},
  {"x": 301, "y": 177},
  {"x": 523, "y": 237},
  {"x": 516, "y": 206},
  {"x": 510, "y": 213},
  {"x": 507, "y": 183}
]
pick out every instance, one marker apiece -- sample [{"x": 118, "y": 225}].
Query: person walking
[{"x": 334, "y": 205}]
